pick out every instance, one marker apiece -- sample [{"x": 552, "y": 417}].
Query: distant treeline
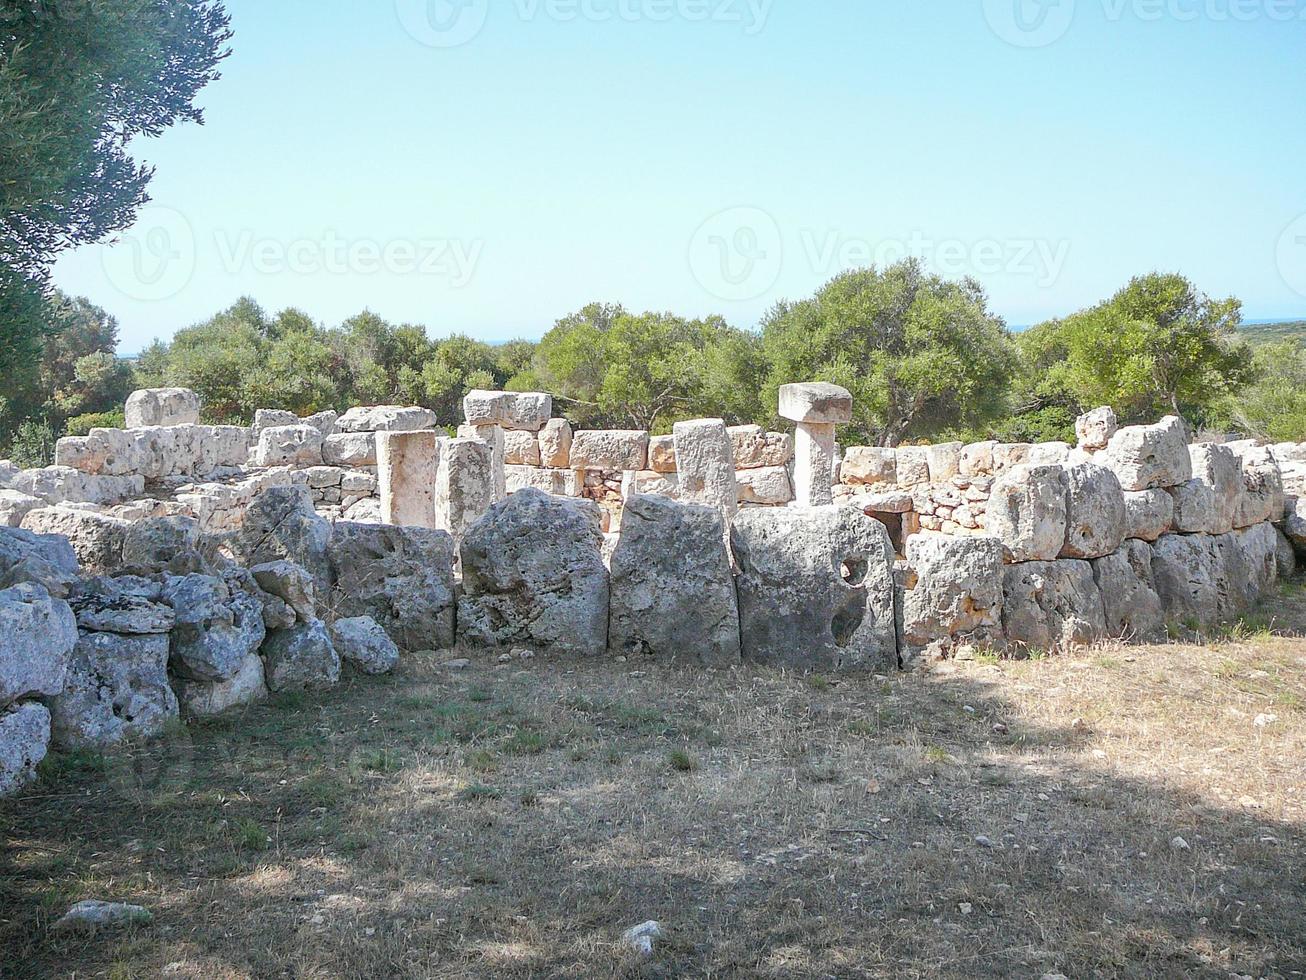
[{"x": 924, "y": 357}]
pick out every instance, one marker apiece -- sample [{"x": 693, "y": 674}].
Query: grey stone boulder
[
  {"x": 126, "y": 604},
  {"x": 97, "y": 539},
  {"x": 673, "y": 593},
  {"x": 324, "y": 422},
  {"x": 1197, "y": 577},
  {"x": 1051, "y": 605},
  {"x": 272, "y": 418},
  {"x": 162, "y": 406},
  {"x": 216, "y": 628},
  {"x": 533, "y": 574},
  {"x": 291, "y": 584},
  {"x": 1146, "y": 457},
  {"x": 815, "y": 589},
  {"x": 302, "y": 658},
  {"x": 610, "y": 449},
  {"x": 1293, "y": 524},
  {"x": 1148, "y": 513},
  {"x": 350, "y": 449},
  {"x": 47, "y": 560},
  {"x": 203, "y": 699},
  {"x": 816, "y": 402},
  {"x": 37, "y": 636},
  {"x": 280, "y": 523},
  {"x": 951, "y": 593},
  {"x": 386, "y": 418},
  {"x": 1258, "y": 562},
  {"x": 361, "y": 641},
  {"x": 117, "y": 688},
  {"x": 93, "y": 916},
  {"x": 1262, "y": 496},
  {"x": 15, "y": 505},
  {"x": 753, "y": 448},
  {"x": 1094, "y": 429},
  {"x": 289, "y": 445},
  {"x": 1218, "y": 474},
  {"x": 1027, "y": 511},
  {"x": 1095, "y": 511},
  {"x": 1129, "y": 598},
  {"x": 164, "y": 544},
  {"x": 24, "y": 740},
  {"x": 1284, "y": 554},
  {"x": 402, "y": 577}
]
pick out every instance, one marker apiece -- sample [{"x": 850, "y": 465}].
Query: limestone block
[
  {"x": 402, "y": 577},
  {"x": 301, "y": 658},
  {"x": 815, "y": 589},
  {"x": 755, "y": 448},
  {"x": 1219, "y": 468},
  {"x": 386, "y": 418},
  {"x": 350, "y": 449},
  {"x": 219, "y": 447},
  {"x": 116, "y": 688},
  {"x": 816, "y": 456},
  {"x": 80, "y": 453},
  {"x": 1145, "y": 457},
  {"x": 37, "y": 635},
  {"x": 408, "y": 464},
  {"x": 495, "y": 437},
  {"x": 162, "y": 406},
  {"x": 952, "y": 592},
  {"x": 362, "y": 642},
  {"x": 486, "y": 407},
  {"x": 289, "y": 445},
  {"x": 1046, "y": 453},
  {"x": 47, "y": 560},
  {"x": 1094, "y": 429},
  {"x": 521, "y": 448},
  {"x": 271, "y": 418},
  {"x": 1027, "y": 512},
  {"x": 1285, "y": 554},
  {"x": 885, "y": 502},
  {"x": 280, "y": 523},
  {"x": 818, "y": 402},
  {"x": 465, "y": 484},
  {"x": 1129, "y": 598},
  {"x": 1193, "y": 578},
  {"x": 648, "y": 482},
  {"x": 322, "y": 477},
  {"x": 609, "y": 449},
  {"x": 555, "y": 444},
  {"x": 204, "y": 699},
  {"x": 216, "y": 627},
  {"x": 563, "y": 483},
  {"x": 24, "y": 739},
  {"x": 14, "y": 506},
  {"x": 869, "y": 466},
  {"x": 325, "y": 422},
  {"x": 1258, "y": 562},
  {"x": 1148, "y": 514},
  {"x": 1095, "y": 511},
  {"x": 533, "y": 574},
  {"x": 1009, "y": 455},
  {"x": 289, "y": 583},
  {"x": 1051, "y": 605},
  {"x": 943, "y": 461},
  {"x": 913, "y": 466},
  {"x": 976, "y": 459},
  {"x": 526, "y": 411},
  {"x": 673, "y": 594},
  {"x": 97, "y": 539},
  {"x": 765, "y": 485},
  {"x": 705, "y": 461},
  {"x": 63, "y": 484},
  {"x": 1261, "y": 497},
  {"x": 1294, "y": 524},
  {"x": 127, "y": 604}
]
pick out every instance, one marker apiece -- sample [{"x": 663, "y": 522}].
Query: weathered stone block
[
  {"x": 289, "y": 445},
  {"x": 563, "y": 483},
  {"x": 24, "y": 739},
  {"x": 1095, "y": 511},
  {"x": 815, "y": 588},
  {"x": 869, "y": 466},
  {"x": 465, "y": 483},
  {"x": 609, "y": 449},
  {"x": 1129, "y": 599},
  {"x": 1009, "y": 455},
  {"x": 386, "y": 418},
  {"x": 952, "y": 592},
  {"x": 116, "y": 688},
  {"x": 204, "y": 699},
  {"x": 280, "y": 523},
  {"x": 1148, "y": 513},
  {"x": 362, "y": 642},
  {"x": 705, "y": 461},
  {"x": 1051, "y": 605},
  {"x": 673, "y": 594},
  {"x": 555, "y": 444},
  {"x": 37, "y": 635},
  {"x": 1027, "y": 512},
  {"x": 521, "y": 448},
  {"x": 755, "y": 448},
  {"x": 1094, "y": 429},
  {"x": 162, "y": 406},
  {"x": 913, "y": 466},
  {"x": 97, "y": 539},
  {"x": 301, "y": 658},
  {"x": 350, "y": 449},
  {"x": 943, "y": 461},
  {"x": 128, "y": 604},
  {"x": 765, "y": 485},
  {"x": 1261, "y": 497},
  {"x": 47, "y": 560},
  {"x": 662, "y": 454},
  {"x": 817, "y": 402},
  {"x": 14, "y": 506},
  {"x": 1145, "y": 457},
  {"x": 977, "y": 459},
  {"x": 407, "y": 467}
]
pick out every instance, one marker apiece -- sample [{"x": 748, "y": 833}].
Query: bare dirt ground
[{"x": 1127, "y": 811}]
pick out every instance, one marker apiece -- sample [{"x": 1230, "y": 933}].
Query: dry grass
[{"x": 511, "y": 821}]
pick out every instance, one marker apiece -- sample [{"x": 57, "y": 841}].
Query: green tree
[
  {"x": 1273, "y": 406},
  {"x": 922, "y": 356},
  {"x": 78, "y": 82}
]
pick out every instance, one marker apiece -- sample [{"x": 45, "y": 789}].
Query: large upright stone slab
[
  {"x": 37, "y": 635},
  {"x": 815, "y": 589},
  {"x": 161, "y": 406},
  {"x": 1147, "y": 457},
  {"x": 1051, "y": 605},
  {"x": 951, "y": 593},
  {"x": 117, "y": 688},
  {"x": 1218, "y": 475},
  {"x": 1196, "y": 576},
  {"x": 705, "y": 462},
  {"x": 24, "y": 739},
  {"x": 673, "y": 594},
  {"x": 407, "y": 465},
  {"x": 402, "y": 577},
  {"x": 465, "y": 484},
  {"x": 1262, "y": 496},
  {"x": 555, "y": 444},
  {"x": 496, "y": 438},
  {"x": 1095, "y": 511},
  {"x": 281, "y": 523},
  {"x": 1129, "y": 599},
  {"x": 533, "y": 574},
  {"x": 1027, "y": 512}
]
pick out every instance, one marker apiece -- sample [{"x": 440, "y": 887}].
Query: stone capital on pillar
[
  {"x": 816, "y": 403},
  {"x": 816, "y": 409}
]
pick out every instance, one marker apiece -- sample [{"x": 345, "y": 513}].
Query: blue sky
[{"x": 487, "y": 166}]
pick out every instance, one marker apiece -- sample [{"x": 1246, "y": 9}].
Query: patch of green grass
[
  {"x": 57, "y": 765},
  {"x": 482, "y": 760},
  {"x": 862, "y": 727},
  {"x": 479, "y": 791},
  {"x": 529, "y": 797},
  {"x": 819, "y": 683},
  {"x": 478, "y": 695},
  {"x": 249, "y": 835},
  {"x": 525, "y": 742},
  {"x": 379, "y": 760},
  {"x": 937, "y": 755},
  {"x": 1109, "y": 663},
  {"x": 681, "y": 761}
]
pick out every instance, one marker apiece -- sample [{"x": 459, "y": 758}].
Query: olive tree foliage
[
  {"x": 1157, "y": 346},
  {"x": 921, "y": 355},
  {"x": 79, "y": 80},
  {"x": 1273, "y": 406}
]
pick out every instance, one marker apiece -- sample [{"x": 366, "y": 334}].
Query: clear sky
[{"x": 487, "y": 166}]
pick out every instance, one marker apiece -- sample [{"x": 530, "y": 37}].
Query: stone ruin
[{"x": 177, "y": 569}]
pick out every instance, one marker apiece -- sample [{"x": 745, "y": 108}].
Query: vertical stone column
[
  {"x": 407, "y": 464},
  {"x": 705, "y": 461},
  {"x": 817, "y": 409},
  {"x": 492, "y": 435},
  {"x": 464, "y": 484}
]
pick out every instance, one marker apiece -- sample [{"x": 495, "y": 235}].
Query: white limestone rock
[
  {"x": 162, "y": 406},
  {"x": 768, "y": 485},
  {"x": 37, "y": 635},
  {"x": 97, "y": 539},
  {"x": 1148, "y": 513},
  {"x": 870, "y": 466},
  {"x": 301, "y": 658},
  {"x": 563, "y": 483},
  {"x": 289, "y": 445},
  {"x": 951, "y": 593},
  {"x": 216, "y": 628},
  {"x": 1051, "y": 605},
  {"x": 1094, "y": 429},
  {"x": 386, "y": 418},
  {"x": 943, "y": 461},
  {"x": 163, "y": 544},
  {"x": 609, "y": 449},
  {"x": 289, "y": 583},
  {"x": 533, "y": 574},
  {"x": 47, "y": 560},
  {"x": 1261, "y": 497},
  {"x": 1027, "y": 512},
  {"x": 1129, "y": 599},
  {"x": 673, "y": 594},
  {"x": 815, "y": 589},
  {"x": 662, "y": 454},
  {"x": 705, "y": 462},
  {"x": 555, "y": 444},
  {"x": 1045, "y": 453},
  {"x": 271, "y": 418},
  {"x": 755, "y": 448},
  {"x": 62, "y": 484},
  {"x": 350, "y": 449},
  {"x": 521, "y": 448},
  {"x": 818, "y": 402},
  {"x": 1007, "y": 455},
  {"x": 976, "y": 459},
  {"x": 280, "y": 523},
  {"x": 1095, "y": 511},
  {"x": 466, "y": 483},
  {"x": 1147, "y": 457},
  {"x": 362, "y": 642},
  {"x": 116, "y": 688},
  {"x": 14, "y": 506},
  {"x": 523, "y": 411},
  {"x": 24, "y": 740},
  {"x": 204, "y": 699},
  {"x": 128, "y": 604},
  {"x": 1195, "y": 576},
  {"x": 913, "y": 466}
]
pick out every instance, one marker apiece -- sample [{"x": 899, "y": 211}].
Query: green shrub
[
  {"x": 80, "y": 425},
  {"x": 32, "y": 444}
]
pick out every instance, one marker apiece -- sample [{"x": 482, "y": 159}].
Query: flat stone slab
[{"x": 818, "y": 402}]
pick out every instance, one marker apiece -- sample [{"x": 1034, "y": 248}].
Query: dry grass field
[{"x": 989, "y": 818}]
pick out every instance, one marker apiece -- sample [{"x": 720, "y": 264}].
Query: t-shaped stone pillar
[{"x": 817, "y": 408}]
